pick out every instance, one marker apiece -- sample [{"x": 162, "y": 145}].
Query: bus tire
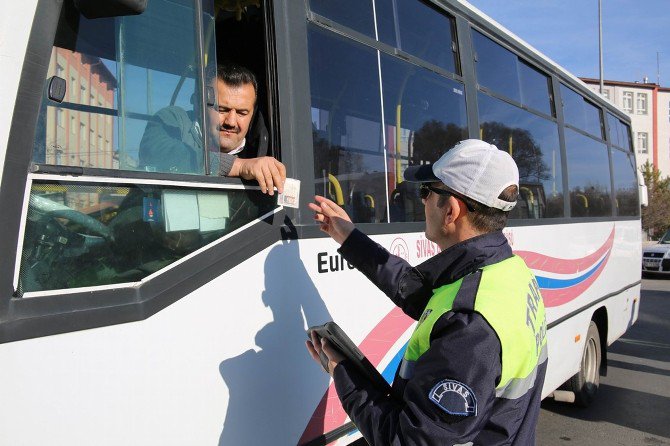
[{"x": 585, "y": 383}]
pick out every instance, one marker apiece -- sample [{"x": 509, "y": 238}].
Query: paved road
[{"x": 633, "y": 403}]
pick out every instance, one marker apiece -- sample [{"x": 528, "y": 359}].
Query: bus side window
[
  {"x": 589, "y": 174},
  {"x": 533, "y": 143},
  {"x": 520, "y": 119}
]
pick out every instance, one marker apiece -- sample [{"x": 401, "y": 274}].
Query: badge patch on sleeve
[{"x": 454, "y": 398}]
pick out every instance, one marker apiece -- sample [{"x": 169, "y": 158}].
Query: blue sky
[{"x": 567, "y": 32}]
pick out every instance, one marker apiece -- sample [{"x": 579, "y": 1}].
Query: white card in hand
[{"x": 291, "y": 194}]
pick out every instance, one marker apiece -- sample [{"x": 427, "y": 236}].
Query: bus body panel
[{"x": 229, "y": 359}]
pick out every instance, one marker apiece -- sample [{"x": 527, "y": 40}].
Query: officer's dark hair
[
  {"x": 485, "y": 219},
  {"x": 236, "y": 75}
]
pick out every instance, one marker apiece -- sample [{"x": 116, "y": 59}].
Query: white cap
[{"x": 474, "y": 169}]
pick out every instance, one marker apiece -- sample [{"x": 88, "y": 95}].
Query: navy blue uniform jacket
[{"x": 463, "y": 348}]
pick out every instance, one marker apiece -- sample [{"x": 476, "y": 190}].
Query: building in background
[
  {"x": 81, "y": 138},
  {"x": 648, "y": 105},
  {"x": 80, "y": 130}
]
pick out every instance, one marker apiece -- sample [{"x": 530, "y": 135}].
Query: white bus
[{"x": 166, "y": 305}]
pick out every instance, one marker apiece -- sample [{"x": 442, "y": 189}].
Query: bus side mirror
[
  {"x": 644, "y": 196},
  {"x": 95, "y": 9},
  {"x": 642, "y": 189}
]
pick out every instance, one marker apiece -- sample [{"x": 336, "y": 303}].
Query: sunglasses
[{"x": 425, "y": 190}]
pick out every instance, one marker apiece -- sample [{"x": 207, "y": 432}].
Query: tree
[{"x": 656, "y": 216}]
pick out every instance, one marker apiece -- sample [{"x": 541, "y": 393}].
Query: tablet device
[{"x": 340, "y": 341}]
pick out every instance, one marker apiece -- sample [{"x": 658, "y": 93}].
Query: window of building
[
  {"x": 627, "y": 103},
  {"x": 580, "y": 113},
  {"x": 641, "y": 104},
  {"x": 503, "y": 72},
  {"x": 589, "y": 174},
  {"x": 642, "y": 138},
  {"x": 606, "y": 93},
  {"x": 60, "y": 71},
  {"x": 60, "y": 117},
  {"x": 73, "y": 125},
  {"x": 73, "y": 89}
]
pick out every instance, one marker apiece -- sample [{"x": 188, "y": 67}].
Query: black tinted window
[
  {"x": 502, "y": 71},
  {"x": 534, "y": 145},
  {"x": 614, "y": 130},
  {"x": 355, "y": 14},
  {"x": 90, "y": 234},
  {"x": 580, "y": 113},
  {"x": 535, "y": 88},
  {"x": 425, "y": 114},
  {"x": 349, "y": 164},
  {"x": 589, "y": 176},
  {"x": 625, "y": 184},
  {"x": 419, "y": 29},
  {"x": 618, "y": 132},
  {"x": 624, "y": 136}
]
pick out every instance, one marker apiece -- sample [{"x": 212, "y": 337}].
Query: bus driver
[{"x": 172, "y": 140}]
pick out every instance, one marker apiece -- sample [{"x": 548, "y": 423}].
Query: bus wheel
[{"x": 585, "y": 382}]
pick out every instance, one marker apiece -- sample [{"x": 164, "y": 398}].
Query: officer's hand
[
  {"x": 269, "y": 172},
  {"x": 316, "y": 345},
  {"x": 334, "y": 221}
]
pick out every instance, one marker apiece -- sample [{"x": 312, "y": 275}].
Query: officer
[{"x": 474, "y": 367}]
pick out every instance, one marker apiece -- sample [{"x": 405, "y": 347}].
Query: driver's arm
[{"x": 266, "y": 170}]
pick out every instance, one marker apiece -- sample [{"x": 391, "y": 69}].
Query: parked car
[{"x": 656, "y": 257}]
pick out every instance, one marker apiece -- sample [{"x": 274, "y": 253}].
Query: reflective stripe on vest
[{"x": 508, "y": 297}]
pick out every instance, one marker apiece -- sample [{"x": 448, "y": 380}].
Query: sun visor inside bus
[{"x": 95, "y": 9}]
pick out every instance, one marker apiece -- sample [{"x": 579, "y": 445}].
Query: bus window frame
[
  {"x": 54, "y": 312},
  {"x": 523, "y": 58}
]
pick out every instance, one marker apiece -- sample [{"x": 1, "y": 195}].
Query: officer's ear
[{"x": 452, "y": 210}]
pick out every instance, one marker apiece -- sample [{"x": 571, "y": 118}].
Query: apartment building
[{"x": 648, "y": 105}]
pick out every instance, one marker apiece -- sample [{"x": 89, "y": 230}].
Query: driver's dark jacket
[
  {"x": 463, "y": 347},
  {"x": 172, "y": 142}
]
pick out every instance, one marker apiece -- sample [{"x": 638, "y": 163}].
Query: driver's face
[{"x": 236, "y": 108}]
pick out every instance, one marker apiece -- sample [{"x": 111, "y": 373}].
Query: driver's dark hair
[{"x": 236, "y": 75}]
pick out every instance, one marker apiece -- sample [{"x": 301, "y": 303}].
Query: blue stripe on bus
[{"x": 552, "y": 284}]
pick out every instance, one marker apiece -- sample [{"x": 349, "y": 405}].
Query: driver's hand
[{"x": 269, "y": 172}]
